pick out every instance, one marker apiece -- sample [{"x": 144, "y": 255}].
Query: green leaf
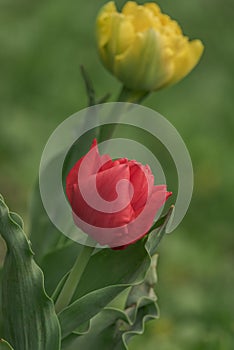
[
  {"x": 111, "y": 326},
  {"x": 116, "y": 327},
  {"x": 107, "y": 274},
  {"x": 4, "y": 345},
  {"x": 157, "y": 234},
  {"x": 90, "y": 91},
  {"x": 44, "y": 235},
  {"x": 114, "y": 267},
  {"x": 144, "y": 289},
  {"x": 104, "y": 331},
  {"x": 144, "y": 314},
  {"x": 30, "y": 322},
  {"x": 85, "y": 308},
  {"x": 57, "y": 263},
  {"x": 89, "y": 87},
  {"x": 142, "y": 303}
]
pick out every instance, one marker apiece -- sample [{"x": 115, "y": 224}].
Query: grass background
[{"x": 42, "y": 45}]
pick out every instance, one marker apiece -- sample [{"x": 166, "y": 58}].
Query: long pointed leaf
[
  {"x": 30, "y": 322},
  {"x": 107, "y": 274}
]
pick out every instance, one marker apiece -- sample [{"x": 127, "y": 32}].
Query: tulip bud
[
  {"x": 144, "y": 48},
  {"x": 113, "y": 201}
]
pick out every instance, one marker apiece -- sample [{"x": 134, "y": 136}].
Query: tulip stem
[
  {"x": 131, "y": 96},
  {"x": 73, "y": 278},
  {"x": 125, "y": 95}
]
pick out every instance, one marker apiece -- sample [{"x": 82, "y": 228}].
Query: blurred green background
[{"x": 42, "y": 45}]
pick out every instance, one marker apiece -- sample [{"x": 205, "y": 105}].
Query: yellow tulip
[{"x": 144, "y": 48}]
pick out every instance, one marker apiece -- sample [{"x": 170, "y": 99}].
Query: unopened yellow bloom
[{"x": 144, "y": 48}]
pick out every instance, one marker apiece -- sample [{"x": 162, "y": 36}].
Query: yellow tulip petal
[
  {"x": 154, "y": 8},
  {"x": 141, "y": 66},
  {"x": 129, "y": 8},
  {"x": 109, "y": 7},
  {"x": 141, "y": 17},
  {"x": 186, "y": 60},
  {"x": 104, "y": 22},
  {"x": 122, "y": 35}
]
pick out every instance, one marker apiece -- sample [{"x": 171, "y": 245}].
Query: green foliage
[
  {"x": 116, "y": 326},
  {"x": 107, "y": 274},
  {"x": 43, "y": 234},
  {"x": 90, "y": 318},
  {"x": 29, "y": 318}
]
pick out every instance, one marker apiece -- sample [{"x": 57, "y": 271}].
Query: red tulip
[{"x": 113, "y": 201}]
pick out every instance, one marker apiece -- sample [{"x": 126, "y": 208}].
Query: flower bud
[
  {"x": 144, "y": 48},
  {"x": 113, "y": 201}
]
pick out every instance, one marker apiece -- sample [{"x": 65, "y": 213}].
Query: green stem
[
  {"x": 73, "y": 279},
  {"x": 125, "y": 95}
]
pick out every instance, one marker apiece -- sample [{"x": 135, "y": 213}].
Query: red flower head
[{"x": 113, "y": 201}]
